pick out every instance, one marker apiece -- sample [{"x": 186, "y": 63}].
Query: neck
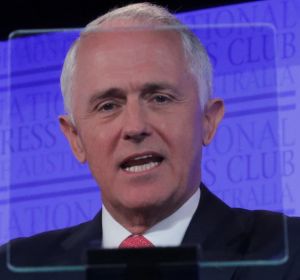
[
  {"x": 139, "y": 220},
  {"x": 136, "y": 221}
]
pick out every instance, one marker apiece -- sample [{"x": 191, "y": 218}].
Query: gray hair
[{"x": 151, "y": 14}]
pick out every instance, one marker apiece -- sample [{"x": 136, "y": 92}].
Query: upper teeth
[
  {"x": 140, "y": 168},
  {"x": 142, "y": 157}
]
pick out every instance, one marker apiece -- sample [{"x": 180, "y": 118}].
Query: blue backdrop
[{"x": 253, "y": 162}]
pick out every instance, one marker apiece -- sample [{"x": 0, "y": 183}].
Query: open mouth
[{"x": 142, "y": 162}]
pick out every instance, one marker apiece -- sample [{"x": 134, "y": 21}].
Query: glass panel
[
  {"x": 244, "y": 165},
  {"x": 4, "y": 144}
]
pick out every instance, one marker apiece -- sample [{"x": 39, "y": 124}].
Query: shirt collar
[{"x": 168, "y": 232}]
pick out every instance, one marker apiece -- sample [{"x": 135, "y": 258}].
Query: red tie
[{"x": 136, "y": 241}]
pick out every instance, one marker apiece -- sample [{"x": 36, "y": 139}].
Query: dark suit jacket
[{"x": 224, "y": 234}]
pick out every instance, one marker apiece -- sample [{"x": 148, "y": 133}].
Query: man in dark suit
[
  {"x": 224, "y": 234},
  {"x": 137, "y": 90}
]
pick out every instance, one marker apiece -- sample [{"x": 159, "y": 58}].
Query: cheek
[
  {"x": 189, "y": 143},
  {"x": 188, "y": 133},
  {"x": 97, "y": 145},
  {"x": 97, "y": 135}
]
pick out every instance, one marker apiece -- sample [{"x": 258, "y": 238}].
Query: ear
[
  {"x": 71, "y": 133},
  {"x": 213, "y": 114}
]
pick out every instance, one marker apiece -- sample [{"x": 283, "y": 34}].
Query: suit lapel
[
  {"x": 85, "y": 236},
  {"x": 218, "y": 231}
]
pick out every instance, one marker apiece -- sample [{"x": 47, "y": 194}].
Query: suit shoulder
[
  {"x": 53, "y": 236},
  {"x": 43, "y": 248},
  {"x": 266, "y": 221},
  {"x": 269, "y": 232}
]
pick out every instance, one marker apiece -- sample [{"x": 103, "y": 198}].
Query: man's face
[{"x": 138, "y": 120}]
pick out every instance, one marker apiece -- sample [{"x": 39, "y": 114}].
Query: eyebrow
[
  {"x": 105, "y": 94},
  {"x": 149, "y": 88},
  {"x": 145, "y": 89}
]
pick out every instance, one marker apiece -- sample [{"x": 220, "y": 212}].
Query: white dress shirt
[{"x": 168, "y": 232}]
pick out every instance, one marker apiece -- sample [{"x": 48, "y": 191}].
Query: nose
[{"x": 135, "y": 126}]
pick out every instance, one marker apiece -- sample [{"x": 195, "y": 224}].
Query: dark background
[{"x": 29, "y": 14}]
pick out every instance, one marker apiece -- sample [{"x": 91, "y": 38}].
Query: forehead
[
  {"x": 125, "y": 51},
  {"x": 129, "y": 43}
]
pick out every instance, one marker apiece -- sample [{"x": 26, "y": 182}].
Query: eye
[
  {"x": 107, "y": 107},
  {"x": 161, "y": 99}
]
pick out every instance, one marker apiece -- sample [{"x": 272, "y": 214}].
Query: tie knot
[{"x": 136, "y": 241}]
